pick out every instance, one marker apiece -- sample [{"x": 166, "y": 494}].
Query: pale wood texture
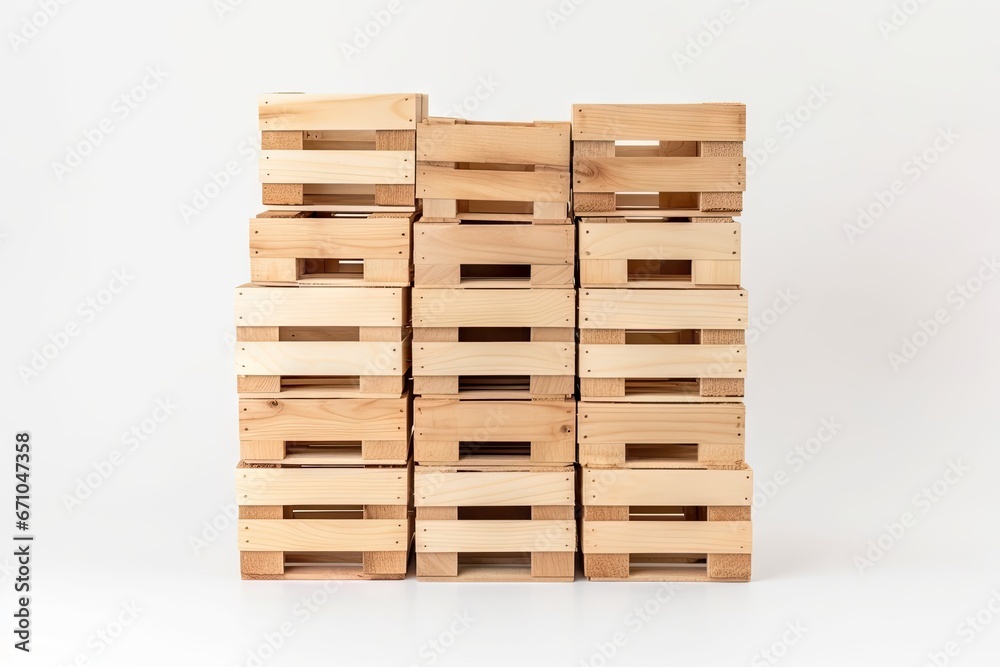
[
  {"x": 667, "y": 487},
  {"x": 502, "y": 359},
  {"x": 495, "y": 536},
  {"x": 296, "y": 111},
  {"x": 445, "y": 420},
  {"x": 639, "y": 423},
  {"x": 507, "y": 488},
  {"x": 662, "y": 361},
  {"x": 494, "y": 308},
  {"x": 322, "y": 358},
  {"x": 663, "y": 309},
  {"x": 661, "y": 122},
  {"x": 494, "y": 143},
  {"x": 681, "y": 537},
  {"x": 323, "y": 535},
  {"x": 343, "y": 307},
  {"x": 325, "y": 420},
  {"x": 444, "y": 243},
  {"x": 485, "y": 185},
  {"x": 640, "y": 174},
  {"x": 319, "y": 486}
]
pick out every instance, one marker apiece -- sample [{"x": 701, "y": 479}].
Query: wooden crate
[
  {"x": 324, "y": 523},
  {"x": 494, "y": 433},
  {"x": 662, "y": 435},
  {"x": 662, "y": 345},
  {"x": 493, "y": 255},
  {"x": 330, "y": 249},
  {"x": 339, "y": 152},
  {"x": 492, "y": 171},
  {"x": 666, "y": 525},
  {"x": 322, "y": 343},
  {"x": 660, "y": 252},
  {"x": 494, "y": 343},
  {"x": 481, "y": 524},
  {"x": 669, "y": 159},
  {"x": 325, "y": 431}
]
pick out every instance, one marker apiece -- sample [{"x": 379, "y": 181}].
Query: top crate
[
  {"x": 513, "y": 172},
  {"x": 339, "y": 153},
  {"x": 658, "y": 159}
]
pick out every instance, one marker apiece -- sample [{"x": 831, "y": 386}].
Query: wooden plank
[
  {"x": 443, "y": 420},
  {"x": 659, "y": 174},
  {"x": 659, "y": 122},
  {"x": 396, "y": 140},
  {"x": 437, "y": 488},
  {"x": 361, "y": 167},
  {"x": 660, "y": 241},
  {"x": 495, "y": 143},
  {"x": 644, "y": 423},
  {"x": 663, "y": 309},
  {"x": 321, "y": 486},
  {"x": 332, "y": 420},
  {"x": 662, "y": 361},
  {"x": 323, "y": 535},
  {"x": 296, "y": 111},
  {"x": 330, "y": 238},
  {"x": 519, "y": 358},
  {"x": 495, "y": 536},
  {"x": 444, "y": 243},
  {"x": 434, "y": 307},
  {"x": 710, "y": 272},
  {"x": 321, "y": 358},
  {"x": 664, "y": 537},
  {"x": 483, "y": 185},
  {"x": 342, "y": 307},
  {"x": 667, "y": 487}
]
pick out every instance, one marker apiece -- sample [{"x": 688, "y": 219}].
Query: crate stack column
[
  {"x": 494, "y": 354},
  {"x": 666, "y": 492},
  {"x": 324, "y": 484}
]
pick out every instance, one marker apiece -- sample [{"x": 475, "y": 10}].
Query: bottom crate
[
  {"x": 484, "y": 524},
  {"x": 667, "y": 525},
  {"x": 324, "y": 523}
]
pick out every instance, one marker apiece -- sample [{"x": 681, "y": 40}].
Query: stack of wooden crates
[
  {"x": 496, "y": 264},
  {"x": 494, "y": 317},
  {"x": 665, "y": 490},
  {"x": 323, "y": 341}
]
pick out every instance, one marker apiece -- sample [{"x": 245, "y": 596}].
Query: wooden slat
[
  {"x": 436, "y": 488},
  {"x": 495, "y": 144},
  {"x": 482, "y": 185},
  {"x": 323, "y": 535},
  {"x": 494, "y": 421},
  {"x": 659, "y": 122},
  {"x": 444, "y": 359},
  {"x": 662, "y": 361},
  {"x": 348, "y": 238},
  {"x": 434, "y": 307},
  {"x": 660, "y": 174},
  {"x": 664, "y": 537},
  {"x": 320, "y": 358},
  {"x": 321, "y": 486},
  {"x": 364, "y": 167},
  {"x": 639, "y": 423},
  {"x": 667, "y": 487},
  {"x": 660, "y": 240},
  {"x": 663, "y": 309},
  {"x": 324, "y": 420},
  {"x": 295, "y": 111},
  {"x": 493, "y": 244},
  {"x": 342, "y": 307},
  {"x": 495, "y": 536}
]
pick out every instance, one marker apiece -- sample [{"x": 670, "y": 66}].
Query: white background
[{"x": 166, "y": 335}]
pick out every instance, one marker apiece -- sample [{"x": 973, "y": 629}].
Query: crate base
[
  {"x": 358, "y": 566},
  {"x": 500, "y": 568}
]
